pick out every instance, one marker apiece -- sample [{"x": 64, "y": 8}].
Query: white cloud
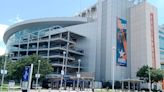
[
  {"x": 2, "y": 51},
  {"x": 16, "y": 19},
  {"x": 2, "y": 31}
]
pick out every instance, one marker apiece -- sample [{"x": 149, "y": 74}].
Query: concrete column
[
  {"x": 65, "y": 84},
  {"x": 28, "y": 44},
  {"x": 37, "y": 45},
  {"x": 48, "y": 52},
  {"x": 133, "y": 85},
  {"x": 122, "y": 85},
  {"x": 19, "y": 47},
  {"x": 68, "y": 36},
  {"x": 128, "y": 85},
  {"x": 58, "y": 85},
  {"x": 137, "y": 86},
  {"x": 83, "y": 85},
  {"x": 73, "y": 85},
  {"x": 60, "y": 35}
]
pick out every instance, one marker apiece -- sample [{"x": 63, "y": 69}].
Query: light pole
[
  {"x": 62, "y": 71},
  {"x": 4, "y": 71},
  {"x": 37, "y": 75},
  {"x": 78, "y": 74},
  {"x": 113, "y": 64},
  {"x": 65, "y": 72},
  {"x": 149, "y": 79}
]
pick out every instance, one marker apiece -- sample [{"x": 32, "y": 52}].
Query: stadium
[{"x": 106, "y": 37}]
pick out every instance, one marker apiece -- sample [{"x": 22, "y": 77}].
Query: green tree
[
  {"x": 9, "y": 66},
  {"x": 1, "y": 63},
  {"x": 142, "y": 73},
  {"x": 155, "y": 74},
  {"x": 45, "y": 67},
  {"x": 2, "y": 58}
]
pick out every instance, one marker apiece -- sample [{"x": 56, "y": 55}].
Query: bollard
[
  {"x": 39, "y": 89},
  {"x": 69, "y": 89},
  {"x": 49, "y": 90}
]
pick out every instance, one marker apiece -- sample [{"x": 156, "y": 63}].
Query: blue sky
[
  {"x": 17, "y": 10},
  {"x": 13, "y": 11},
  {"x": 29, "y": 9}
]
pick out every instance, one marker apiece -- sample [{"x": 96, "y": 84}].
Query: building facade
[
  {"x": 144, "y": 37},
  {"x": 112, "y": 35},
  {"x": 161, "y": 44}
]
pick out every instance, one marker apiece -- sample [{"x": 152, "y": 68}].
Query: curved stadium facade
[
  {"x": 128, "y": 26},
  {"x": 49, "y": 38}
]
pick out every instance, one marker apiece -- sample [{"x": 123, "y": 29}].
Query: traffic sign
[
  {"x": 37, "y": 75},
  {"x": 62, "y": 72},
  {"x": 78, "y": 75},
  {"x": 11, "y": 83},
  {"x": 3, "y": 71}
]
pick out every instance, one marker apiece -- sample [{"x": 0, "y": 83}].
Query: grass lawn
[
  {"x": 103, "y": 90},
  {"x": 5, "y": 88},
  {"x": 110, "y": 90}
]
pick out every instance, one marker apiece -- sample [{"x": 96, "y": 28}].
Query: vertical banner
[
  {"x": 121, "y": 50},
  {"x": 26, "y": 72},
  {"x": 25, "y": 77}
]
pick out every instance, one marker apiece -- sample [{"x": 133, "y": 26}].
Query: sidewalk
[
  {"x": 96, "y": 90},
  {"x": 46, "y": 90}
]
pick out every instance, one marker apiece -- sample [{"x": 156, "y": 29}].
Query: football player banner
[
  {"x": 121, "y": 48},
  {"x": 25, "y": 77}
]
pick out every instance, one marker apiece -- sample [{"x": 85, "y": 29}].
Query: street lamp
[
  {"x": 113, "y": 64},
  {"x": 149, "y": 79},
  {"x": 37, "y": 75},
  {"x": 4, "y": 71},
  {"x": 78, "y": 74},
  {"x": 62, "y": 71},
  {"x": 65, "y": 72}
]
